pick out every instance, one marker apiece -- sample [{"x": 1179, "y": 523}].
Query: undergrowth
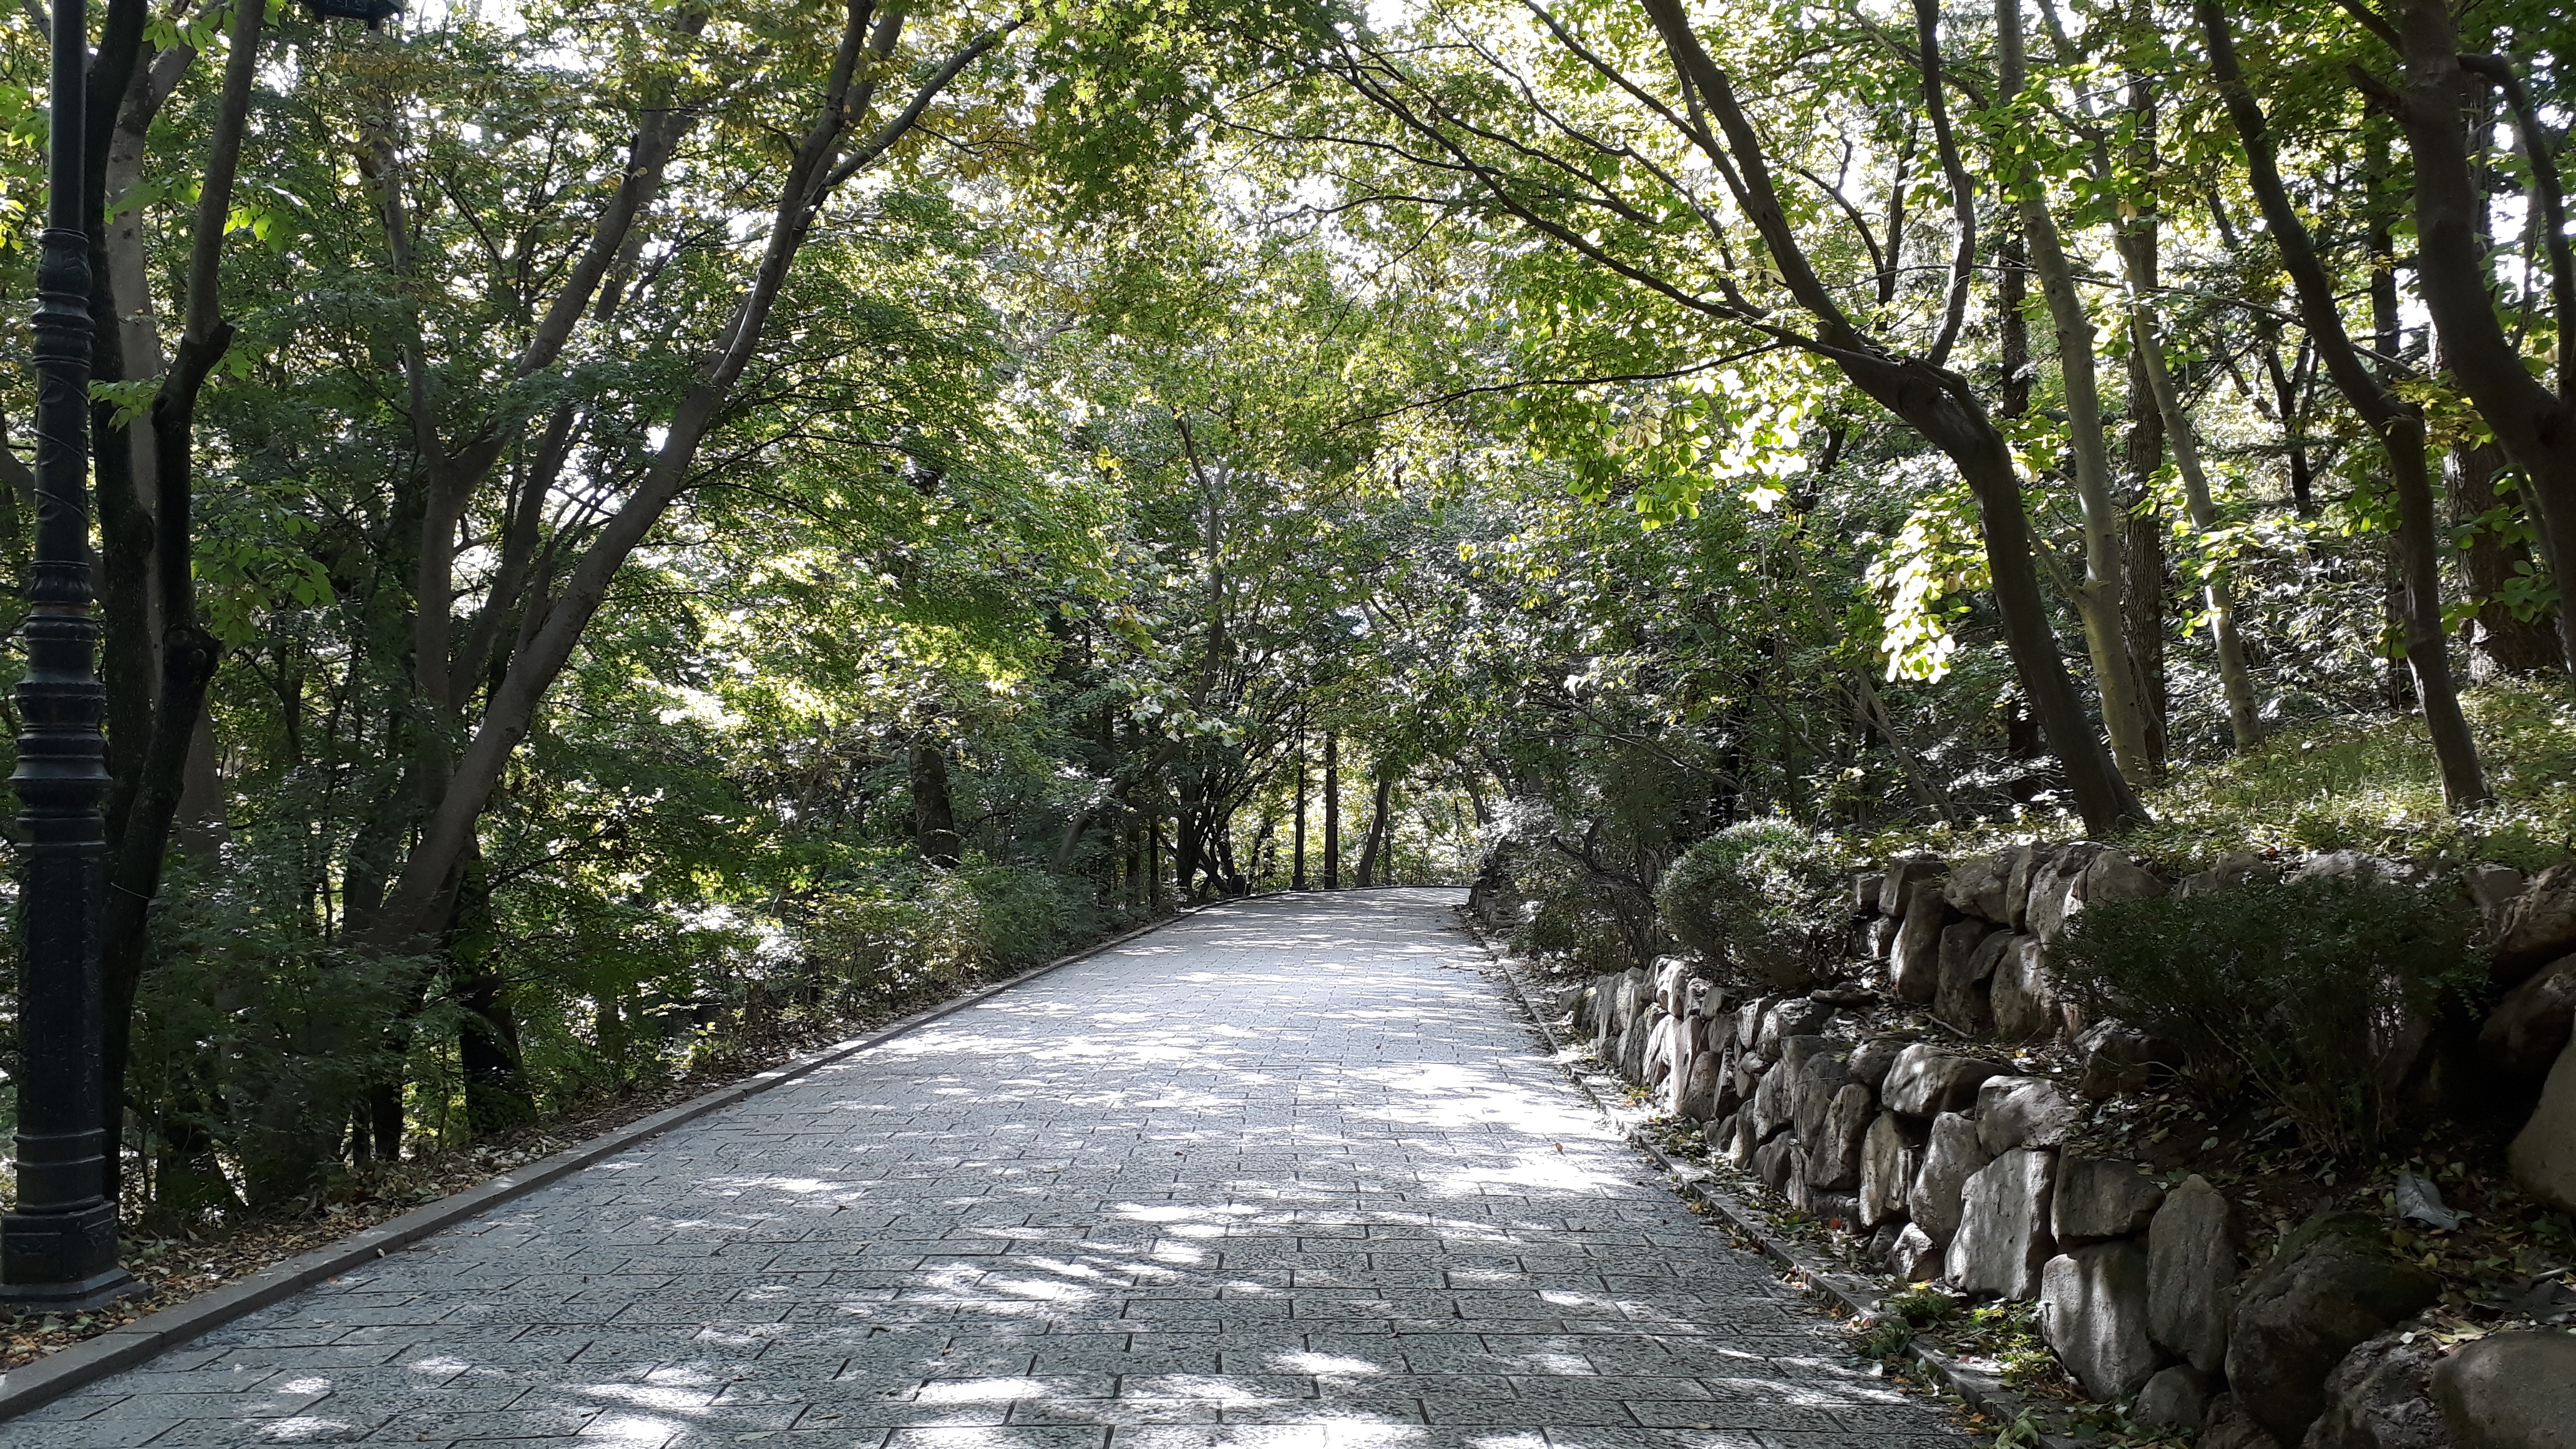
[{"x": 2342, "y": 784}]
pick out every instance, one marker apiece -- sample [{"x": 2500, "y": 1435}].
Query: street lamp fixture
[{"x": 58, "y": 1244}]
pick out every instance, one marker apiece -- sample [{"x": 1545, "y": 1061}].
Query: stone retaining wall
[{"x": 1954, "y": 1164}]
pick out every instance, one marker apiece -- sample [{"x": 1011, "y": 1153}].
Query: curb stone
[
  {"x": 56, "y": 1374},
  {"x": 1980, "y": 1389}
]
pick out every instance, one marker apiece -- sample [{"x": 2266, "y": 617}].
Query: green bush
[
  {"x": 2293, "y": 991},
  {"x": 1763, "y": 897},
  {"x": 1590, "y": 922}
]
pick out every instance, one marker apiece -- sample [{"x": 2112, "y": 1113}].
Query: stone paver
[{"x": 1285, "y": 1175}]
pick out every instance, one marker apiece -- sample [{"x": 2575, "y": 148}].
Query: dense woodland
[{"x": 623, "y": 526}]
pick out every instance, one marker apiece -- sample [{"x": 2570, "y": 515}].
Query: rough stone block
[
  {"x": 2098, "y": 1199},
  {"x": 2176, "y": 1397},
  {"x": 1771, "y": 1101},
  {"x": 2019, "y": 995},
  {"x": 2191, "y": 1270},
  {"x": 2003, "y": 1238},
  {"x": 1785, "y": 1017},
  {"x": 2527, "y": 1030},
  {"x": 1890, "y": 1156},
  {"x": 2510, "y": 1391},
  {"x": 2093, "y": 1311},
  {"x": 2117, "y": 1058},
  {"x": 1697, "y": 1098},
  {"x": 1925, "y": 1081},
  {"x": 1771, "y": 1165},
  {"x": 1871, "y": 1059},
  {"x": 2057, "y": 886},
  {"x": 1963, "y": 997},
  {"x": 1867, "y": 886},
  {"x": 2022, "y": 1112},
  {"x": 1915, "y": 1258},
  {"x": 1833, "y": 1155},
  {"x": 1950, "y": 1157},
  {"x": 2376, "y": 1398},
  {"x": 1817, "y": 1070},
  {"x": 1981, "y": 887},
  {"x": 2229, "y": 1426},
  {"x": 2543, "y": 1154},
  {"x": 1914, "y": 964},
  {"x": 2331, "y": 1285},
  {"x": 1895, "y": 891},
  {"x": 2027, "y": 862},
  {"x": 2539, "y": 925}
]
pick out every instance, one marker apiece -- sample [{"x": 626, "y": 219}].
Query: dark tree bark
[
  {"x": 1374, "y": 843},
  {"x": 1297, "y": 878},
  {"x": 1332, "y": 810},
  {"x": 2501, "y": 641},
  {"x": 2398, "y": 423},
  {"x": 2534, "y": 421},
  {"x": 150, "y": 550},
  {"x": 2149, "y": 595},
  {"x": 934, "y": 815}
]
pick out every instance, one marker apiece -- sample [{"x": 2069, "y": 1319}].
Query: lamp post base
[
  {"x": 96, "y": 1291},
  {"x": 51, "y": 1262}
]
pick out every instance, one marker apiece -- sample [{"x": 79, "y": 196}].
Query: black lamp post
[{"x": 58, "y": 1245}]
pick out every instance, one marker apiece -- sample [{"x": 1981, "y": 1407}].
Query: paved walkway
[{"x": 1286, "y": 1174}]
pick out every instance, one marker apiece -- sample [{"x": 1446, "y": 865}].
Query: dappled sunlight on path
[{"x": 1287, "y": 1173}]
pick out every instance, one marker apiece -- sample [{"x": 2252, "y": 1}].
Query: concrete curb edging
[
  {"x": 64, "y": 1370},
  {"x": 1980, "y": 1389}
]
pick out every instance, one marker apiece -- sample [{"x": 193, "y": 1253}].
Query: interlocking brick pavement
[{"x": 1287, "y": 1174}]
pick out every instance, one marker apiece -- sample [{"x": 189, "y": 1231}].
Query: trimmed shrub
[
  {"x": 2305, "y": 993},
  {"x": 1764, "y": 898},
  {"x": 1579, "y": 918}
]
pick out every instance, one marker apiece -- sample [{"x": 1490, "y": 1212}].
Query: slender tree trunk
[
  {"x": 2398, "y": 423},
  {"x": 2505, "y": 642},
  {"x": 1921, "y": 390},
  {"x": 497, "y": 1096},
  {"x": 1375, "y": 841},
  {"x": 151, "y": 786},
  {"x": 2098, "y": 601},
  {"x": 934, "y": 816},
  {"x": 1297, "y": 878},
  {"x": 1332, "y": 810},
  {"x": 820, "y": 161},
  {"x": 2147, "y": 602},
  {"x": 2534, "y": 421},
  {"x": 2244, "y": 713}
]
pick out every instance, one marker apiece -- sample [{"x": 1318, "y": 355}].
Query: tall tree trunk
[
  {"x": 1375, "y": 841},
  {"x": 2098, "y": 599},
  {"x": 2147, "y": 601},
  {"x": 1297, "y": 878},
  {"x": 2534, "y": 421},
  {"x": 2504, "y": 642},
  {"x": 1934, "y": 401},
  {"x": 2398, "y": 423},
  {"x": 1332, "y": 810},
  {"x": 154, "y": 763},
  {"x": 497, "y": 1095},
  {"x": 2244, "y": 713},
  {"x": 934, "y": 816},
  {"x": 820, "y": 161}
]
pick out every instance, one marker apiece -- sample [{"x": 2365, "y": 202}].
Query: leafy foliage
[
  {"x": 2311, "y": 994},
  {"x": 1764, "y": 898}
]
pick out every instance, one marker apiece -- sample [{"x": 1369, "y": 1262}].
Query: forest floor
[{"x": 177, "y": 1267}]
